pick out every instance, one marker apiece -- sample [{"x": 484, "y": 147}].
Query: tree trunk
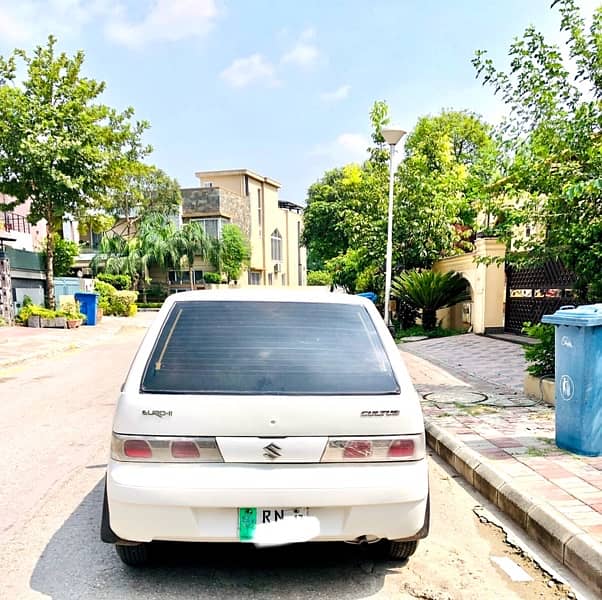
[
  {"x": 190, "y": 277},
  {"x": 429, "y": 319},
  {"x": 50, "y": 300}
]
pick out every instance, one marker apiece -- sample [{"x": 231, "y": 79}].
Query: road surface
[{"x": 54, "y": 436}]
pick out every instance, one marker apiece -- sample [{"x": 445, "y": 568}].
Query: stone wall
[
  {"x": 6, "y": 290},
  {"x": 217, "y": 202}
]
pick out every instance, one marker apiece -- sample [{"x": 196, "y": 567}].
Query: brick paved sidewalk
[{"x": 470, "y": 386}]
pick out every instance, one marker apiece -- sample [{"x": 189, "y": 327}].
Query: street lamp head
[{"x": 392, "y": 135}]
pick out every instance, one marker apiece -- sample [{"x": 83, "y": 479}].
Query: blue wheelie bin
[
  {"x": 88, "y": 304},
  {"x": 578, "y": 345}
]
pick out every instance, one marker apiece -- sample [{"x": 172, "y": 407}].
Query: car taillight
[
  {"x": 375, "y": 449},
  {"x": 164, "y": 449},
  {"x": 184, "y": 450},
  {"x": 357, "y": 449},
  {"x": 137, "y": 449},
  {"x": 401, "y": 449}
]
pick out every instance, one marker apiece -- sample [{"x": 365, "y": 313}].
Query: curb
[
  {"x": 73, "y": 345},
  {"x": 35, "y": 356},
  {"x": 569, "y": 544}
]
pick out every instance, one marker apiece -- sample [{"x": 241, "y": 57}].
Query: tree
[
  {"x": 441, "y": 186},
  {"x": 65, "y": 252},
  {"x": 146, "y": 190},
  {"x": 191, "y": 241},
  {"x": 553, "y": 145},
  {"x": 430, "y": 291},
  {"x": 235, "y": 252},
  {"x": 59, "y": 146}
]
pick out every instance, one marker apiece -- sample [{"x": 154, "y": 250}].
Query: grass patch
[{"x": 474, "y": 409}]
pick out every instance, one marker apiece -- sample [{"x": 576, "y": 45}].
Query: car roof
[{"x": 268, "y": 295}]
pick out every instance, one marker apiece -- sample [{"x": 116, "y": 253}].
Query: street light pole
[{"x": 392, "y": 137}]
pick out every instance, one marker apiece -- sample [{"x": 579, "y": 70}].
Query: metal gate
[{"x": 534, "y": 292}]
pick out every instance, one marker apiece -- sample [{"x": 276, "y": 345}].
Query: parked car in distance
[{"x": 266, "y": 417}]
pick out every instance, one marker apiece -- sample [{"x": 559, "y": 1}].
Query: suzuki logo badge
[{"x": 272, "y": 451}]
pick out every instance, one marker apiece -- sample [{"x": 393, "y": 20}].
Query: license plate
[{"x": 250, "y": 518}]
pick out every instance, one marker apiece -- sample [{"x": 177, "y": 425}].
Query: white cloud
[
  {"x": 248, "y": 70},
  {"x": 347, "y": 147},
  {"x": 27, "y": 21},
  {"x": 304, "y": 53},
  {"x": 336, "y": 95},
  {"x": 167, "y": 20}
]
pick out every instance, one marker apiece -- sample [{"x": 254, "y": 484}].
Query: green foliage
[
  {"x": 65, "y": 252},
  {"x": 60, "y": 147},
  {"x": 344, "y": 269},
  {"x": 123, "y": 303},
  {"x": 235, "y": 252},
  {"x": 319, "y": 278},
  {"x": 27, "y": 301},
  {"x": 119, "y": 282},
  {"x": 145, "y": 190},
  {"x": 106, "y": 295},
  {"x": 157, "y": 241},
  {"x": 440, "y": 187},
  {"x": 541, "y": 356},
  {"x": 553, "y": 147},
  {"x": 47, "y": 313},
  {"x": 430, "y": 291},
  {"x": 212, "y": 277},
  {"x": 94, "y": 222},
  {"x": 71, "y": 310},
  {"x": 150, "y": 304},
  {"x": 3, "y": 322}
]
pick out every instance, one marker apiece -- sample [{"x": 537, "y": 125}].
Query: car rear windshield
[{"x": 235, "y": 347}]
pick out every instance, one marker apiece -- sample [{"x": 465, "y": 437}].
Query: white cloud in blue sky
[
  {"x": 248, "y": 70},
  {"x": 304, "y": 53},
  {"x": 280, "y": 87},
  {"x": 336, "y": 95},
  {"x": 166, "y": 20}
]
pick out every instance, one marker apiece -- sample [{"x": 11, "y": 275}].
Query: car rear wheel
[
  {"x": 133, "y": 556},
  {"x": 401, "y": 550}
]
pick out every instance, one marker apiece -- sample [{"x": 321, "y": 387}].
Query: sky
[{"x": 281, "y": 87}]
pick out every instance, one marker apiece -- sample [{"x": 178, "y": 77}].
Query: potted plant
[{"x": 73, "y": 316}]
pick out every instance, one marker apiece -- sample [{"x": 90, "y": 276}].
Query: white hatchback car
[{"x": 270, "y": 418}]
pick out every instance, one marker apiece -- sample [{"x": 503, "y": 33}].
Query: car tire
[
  {"x": 401, "y": 550},
  {"x": 133, "y": 556}
]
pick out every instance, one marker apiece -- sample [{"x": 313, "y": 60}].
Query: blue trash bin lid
[
  {"x": 370, "y": 295},
  {"x": 589, "y": 315}
]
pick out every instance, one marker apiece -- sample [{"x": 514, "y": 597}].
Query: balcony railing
[{"x": 14, "y": 222}]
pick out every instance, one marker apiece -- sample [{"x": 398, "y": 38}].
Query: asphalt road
[{"x": 54, "y": 434}]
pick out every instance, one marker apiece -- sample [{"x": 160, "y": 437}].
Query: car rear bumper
[{"x": 192, "y": 502}]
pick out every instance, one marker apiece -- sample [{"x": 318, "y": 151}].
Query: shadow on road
[{"x": 76, "y": 564}]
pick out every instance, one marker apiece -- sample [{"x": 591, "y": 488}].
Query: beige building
[{"x": 251, "y": 201}]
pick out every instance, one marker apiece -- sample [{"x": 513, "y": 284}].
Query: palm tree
[
  {"x": 120, "y": 255},
  {"x": 191, "y": 241},
  {"x": 430, "y": 291}
]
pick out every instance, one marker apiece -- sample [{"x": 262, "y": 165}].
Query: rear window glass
[{"x": 235, "y": 347}]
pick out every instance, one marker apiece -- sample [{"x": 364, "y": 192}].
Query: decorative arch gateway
[{"x": 484, "y": 273}]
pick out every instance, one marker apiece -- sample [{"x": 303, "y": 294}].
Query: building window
[
  {"x": 276, "y": 245},
  {"x": 283, "y": 279},
  {"x": 259, "y": 210},
  {"x": 212, "y": 227},
  {"x": 254, "y": 277},
  {"x": 270, "y": 279}
]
